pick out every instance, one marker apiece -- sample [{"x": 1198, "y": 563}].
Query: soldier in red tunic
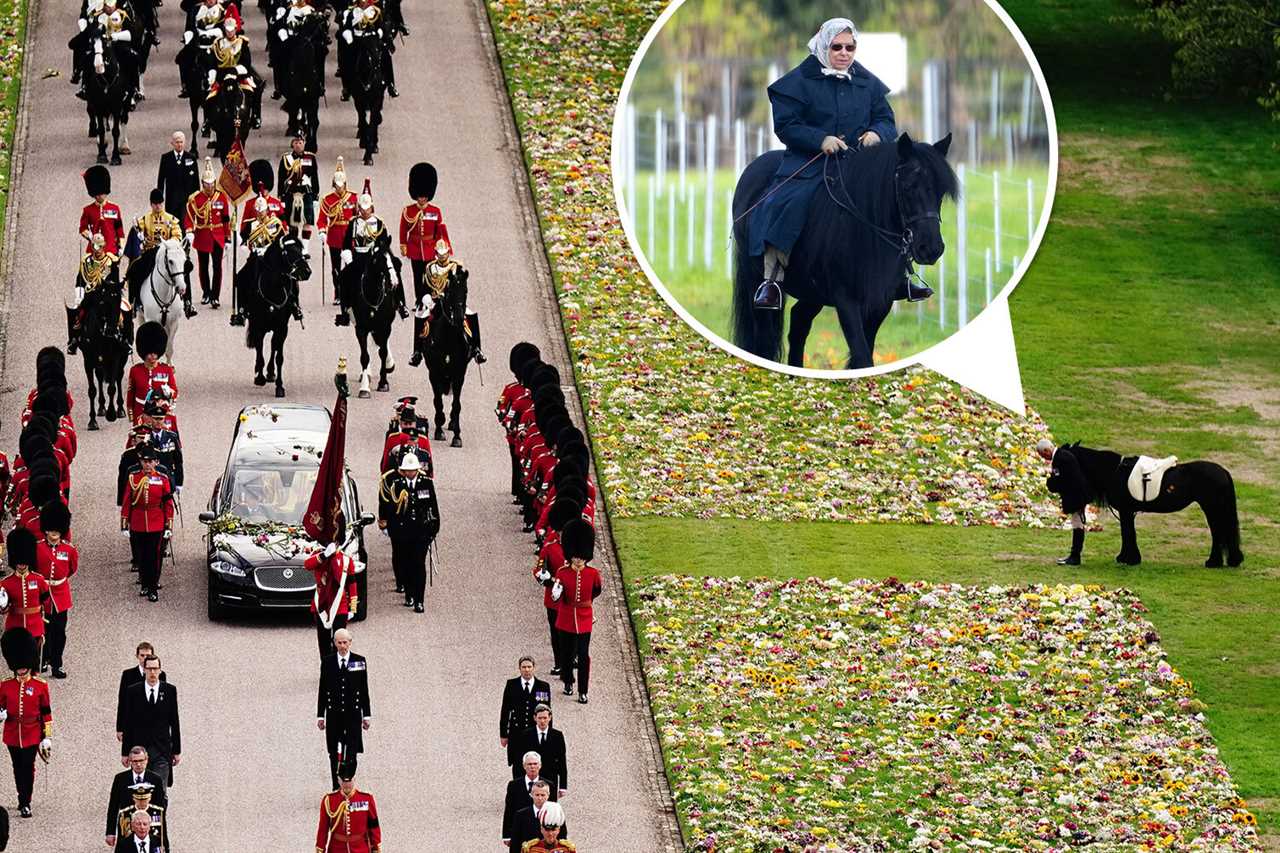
[
  {"x": 101, "y": 216},
  {"x": 264, "y": 179},
  {"x": 23, "y": 593},
  {"x": 337, "y": 209},
  {"x": 550, "y": 823},
  {"x": 421, "y": 225},
  {"x": 576, "y": 586},
  {"x": 25, "y": 712},
  {"x": 150, "y": 377},
  {"x": 210, "y": 219},
  {"x": 403, "y": 436},
  {"x": 147, "y": 515},
  {"x": 336, "y": 595},
  {"x": 549, "y": 563},
  {"x": 56, "y": 561},
  {"x": 348, "y": 818}
]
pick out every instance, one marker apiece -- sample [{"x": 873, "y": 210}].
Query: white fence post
[
  {"x": 649, "y": 216},
  {"x": 682, "y": 145},
  {"x": 974, "y": 159},
  {"x": 988, "y": 277},
  {"x": 691, "y": 213},
  {"x": 1008, "y": 147},
  {"x": 660, "y": 151},
  {"x": 995, "y": 208},
  {"x": 739, "y": 146},
  {"x": 709, "y": 175},
  {"x": 1031, "y": 215},
  {"x": 942, "y": 293},
  {"x": 995, "y": 102},
  {"x": 671, "y": 231},
  {"x": 1025, "y": 129},
  {"x": 962, "y": 238},
  {"x": 928, "y": 107}
]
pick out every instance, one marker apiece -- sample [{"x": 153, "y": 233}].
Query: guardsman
[
  {"x": 101, "y": 216},
  {"x": 550, "y": 820},
  {"x": 23, "y": 593},
  {"x": 97, "y": 268},
  {"x": 25, "y": 712},
  {"x": 211, "y": 218},
  {"x": 148, "y": 231},
  {"x": 421, "y": 224},
  {"x": 549, "y": 563},
  {"x": 363, "y": 19},
  {"x": 404, "y": 436},
  {"x": 56, "y": 561},
  {"x": 130, "y": 461},
  {"x": 342, "y": 702},
  {"x": 336, "y": 596},
  {"x": 515, "y": 394},
  {"x": 147, "y": 515},
  {"x": 165, "y": 442},
  {"x": 367, "y": 238},
  {"x": 575, "y": 588},
  {"x": 299, "y": 183},
  {"x": 409, "y": 513},
  {"x": 150, "y": 376},
  {"x": 443, "y": 271},
  {"x": 231, "y": 56},
  {"x": 263, "y": 177},
  {"x": 348, "y": 818},
  {"x": 159, "y": 833},
  {"x": 337, "y": 210}
]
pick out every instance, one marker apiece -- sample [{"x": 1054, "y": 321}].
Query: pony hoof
[
  {"x": 1213, "y": 563},
  {"x": 126, "y": 150},
  {"x": 457, "y": 441},
  {"x": 93, "y": 426},
  {"x": 384, "y": 385},
  {"x": 439, "y": 436},
  {"x": 259, "y": 380},
  {"x": 1128, "y": 560},
  {"x": 1235, "y": 559},
  {"x": 364, "y": 395},
  {"x": 279, "y": 390}
]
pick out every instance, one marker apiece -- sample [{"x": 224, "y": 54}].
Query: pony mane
[{"x": 1097, "y": 466}]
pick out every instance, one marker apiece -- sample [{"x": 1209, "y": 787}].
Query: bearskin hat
[
  {"x": 97, "y": 180},
  {"x": 51, "y": 357},
  {"x": 520, "y": 354},
  {"x": 51, "y": 400},
  {"x": 43, "y": 489},
  {"x": 564, "y": 510},
  {"x": 545, "y": 375},
  {"x": 548, "y": 395},
  {"x": 18, "y": 646},
  {"x": 263, "y": 175},
  {"x": 423, "y": 181},
  {"x": 20, "y": 548},
  {"x": 578, "y": 539},
  {"x": 576, "y": 450},
  {"x": 55, "y": 516},
  {"x": 550, "y": 420},
  {"x": 525, "y": 371},
  {"x": 151, "y": 338},
  {"x": 567, "y": 469},
  {"x": 569, "y": 435}
]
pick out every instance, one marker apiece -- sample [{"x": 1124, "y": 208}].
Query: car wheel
[{"x": 216, "y": 611}]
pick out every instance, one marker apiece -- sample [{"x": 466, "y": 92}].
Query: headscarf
[{"x": 820, "y": 44}]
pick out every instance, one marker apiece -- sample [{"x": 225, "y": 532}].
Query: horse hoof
[
  {"x": 457, "y": 441},
  {"x": 364, "y": 395},
  {"x": 116, "y": 160},
  {"x": 102, "y": 159},
  {"x": 1234, "y": 560},
  {"x": 110, "y": 416},
  {"x": 259, "y": 380},
  {"x": 368, "y": 159},
  {"x": 439, "y": 436},
  {"x": 126, "y": 150},
  {"x": 93, "y": 426},
  {"x": 279, "y": 390},
  {"x": 384, "y": 385},
  {"x": 1213, "y": 563},
  {"x": 1128, "y": 560}
]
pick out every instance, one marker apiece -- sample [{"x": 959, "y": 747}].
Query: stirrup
[{"x": 768, "y": 296}]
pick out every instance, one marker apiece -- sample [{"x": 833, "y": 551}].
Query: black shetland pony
[
  {"x": 877, "y": 210},
  {"x": 104, "y": 345},
  {"x": 230, "y": 113},
  {"x": 369, "y": 293},
  {"x": 1205, "y": 483},
  {"x": 368, "y": 86},
  {"x": 108, "y": 95},
  {"x": 266, "y": 285},
  {"x": 447, "y": 354}
]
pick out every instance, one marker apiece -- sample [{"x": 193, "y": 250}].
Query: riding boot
[
  {"x": 73, "y": 329},
  {"x": 1077, "y": 546},
  {"x": 391, "y": 77},
  {"x": 768, "y": 296},
  {"x": 296, "y": 298},
  {"x": 473, "y": 320},
  {"x": 909, "y": 290},
  {"x": 401, "y": 308},
  {"x": 419, "y": 323}
]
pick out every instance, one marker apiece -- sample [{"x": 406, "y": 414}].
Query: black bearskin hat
[
  {"x": 567, "y": 469},
  {"x": 551, "y": 420},
  {"x": 563, "y": 511},
  {"x": 97, "y": 180},
  {"x": 20, "y": 548},
  {"x": 525, "y": 371},
  {"x": 263, "y": 175},
  {"x": 423, "y": 181},
  {"x": 578, "y": 539},
  {"x": 569, "y": 435},
  {"x": 545, "y": 375},
  {"x": 43, "y": 489},
  {"x": 573, "y": 450},
  {"x": 51, "y": 400},
  {"x": 548, "y": 396},
  {"x": 51, "y": 357},
  {"x": 151, "y": 338},
  {"x": 19, "y": 648},
  {"x": 55, "y": 516},
  {"x": 522, "y": 353}
]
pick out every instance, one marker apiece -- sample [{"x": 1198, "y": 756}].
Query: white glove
[
  {"x": 79, "y": 295},
  {"x": 168, "y": 534},
  {"x": 4, "y": 600},
  {"x": 187, "y": 35},
  {"x": 4, "y": 715},
  {"x": 280, "y": 13},
  {"x": 330, "y": 549},
  {"x": 282, "y": 33},
  {"x": 241, "y": 70},
  {"x": 83, "y": 24},
  {"x": 177, "y": 490},
  {"x": 425, "y": 305},
  {"x": 213, "y": 75},
  {"x": 306, "y": 180},
  {"x": 346, "y": 36},
  {"x": 379, "y": 32},
  {"x": 557, "y": 589},
  {"x": 123, "y": 35},
  {"x": 46, "y": 746},
  {"x": 345, "y": 257},
  {"x": 544, "y": 576},
  {"x": 124, "y": 531}
]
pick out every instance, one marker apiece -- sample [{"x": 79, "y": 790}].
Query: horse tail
[
  {"x": 757, "y": 332},
  {"x": 1230, "y": 515}
]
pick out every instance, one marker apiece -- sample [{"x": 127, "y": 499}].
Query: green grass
[{"x": 13, "y": 33}]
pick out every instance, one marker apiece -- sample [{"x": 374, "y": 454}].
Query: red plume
[{"x": 368, "y": 189}]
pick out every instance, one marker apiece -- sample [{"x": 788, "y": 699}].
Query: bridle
[
  {"x": 173, "y": 281},
  {"x": 900, "y": 240},
  {"x": 375, "y": 264}
]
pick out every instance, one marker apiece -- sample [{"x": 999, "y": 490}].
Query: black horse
[
  {"x": 108, "y": 95},
  {"x": 266, "y": 284},
  {"x": 367, "y": 84},
  {"x": 877, "y": 211},
  {"x": 302, "y": 78},
  {"x": 230, "y": 114},
  {"x": 447, "y": 353},
  {"x": 105, "y": 338},
  {"x": 369, "y": 293},
  {"x": 194, "y": 73},
  {"x": 1205, "y": 483}
]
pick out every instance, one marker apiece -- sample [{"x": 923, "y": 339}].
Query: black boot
[
  {"x": 912, "y": 288},
  {"x": 768, "y": 296},
  {"x": 73, "y": 329},
  {"x": 474, "y": 321},
  {"x": 1077, "y": 546},
  {"x": 342, "y": 318}
]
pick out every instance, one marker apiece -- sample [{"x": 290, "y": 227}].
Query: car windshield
[{"x": 277, "y": 494}]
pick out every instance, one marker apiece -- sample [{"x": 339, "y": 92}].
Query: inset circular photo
[{"x": 831, "y": 188}]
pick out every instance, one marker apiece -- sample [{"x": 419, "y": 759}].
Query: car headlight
[{"x": 222, "y": 567}]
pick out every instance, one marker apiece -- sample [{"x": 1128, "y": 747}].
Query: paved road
[{"x": 253, "y": 763}]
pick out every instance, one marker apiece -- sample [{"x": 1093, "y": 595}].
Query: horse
[
  {"x": 266, "y": 284},
  {"x": 108, "y": 97},
  {"x": 448, "y": 354},
  {"x": 1201, "y": 482},
  {"x": 877, "y": 211},
  {"x": 104, "y": 345},
  {"x": 230, "y": 114},
  {"x": 195, "y": 75},
  {"x": 367, "y": 85},
  {"x": 368, "y": 292},
  {"x": 303, "y": 79},
  {"x": 160, "y": 296}
]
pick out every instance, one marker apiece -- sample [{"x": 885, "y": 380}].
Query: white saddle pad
[{"x": 1147, "y": 474}]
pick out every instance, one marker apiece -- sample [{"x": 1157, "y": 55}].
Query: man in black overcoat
[
  {"x": 150, "y": 719},
  {"x": 1067, "y": 480},
  {"x": 178, "y": 176},
  {"x": 342, "y": 705},
  {"x": 137, "y": 772},
  {"x": 519, "y": 697},
  {"x": 131, "y": 676},
  {"x": 548, "y": 742}
]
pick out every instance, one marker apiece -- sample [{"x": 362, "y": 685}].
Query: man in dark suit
[
  {"x": 123, "y": 781},
  {"x": 140, "y": 840},
  {"x": 133, "y": 675},
  {"x": 342, "y": 707},
  {"x": 520, "y": 794},
  {"x": 548, "y": 742},
  {"x": 179, "y": 176},
  {"x": 150, "y": 719},
  {"x": 520, "y": 696},
  {"x": 528, "y": 826}
]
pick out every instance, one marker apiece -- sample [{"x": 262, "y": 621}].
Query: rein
[
  {"x": 898, "y": 240},
  {"x": 760, "y": 201},
  {"x": 259, "y": 274},
  {"x": 173, "y": 282}
]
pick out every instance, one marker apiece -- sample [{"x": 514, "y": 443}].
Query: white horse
[{"x": 161, "y": 296}]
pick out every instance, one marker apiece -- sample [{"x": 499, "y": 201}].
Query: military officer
[
  {"x": 443, "y": 271},
  {"x": 24, "y": 593},
  {"x": 405, "y": 437},
  {"x": 337, "y": 210},
  {"x": 299, "y": 183},
  {"x": 57, "y": 560},
  {"x": 231, "y": 54},
  {"x": 421, "y": 224},
  {"x": 409, "y": 513},
  {"x": 363, "y": 19},
  {"x": 336, "y": 596},
  {"x": 97, "y": 268},
  {"x": 159, "y": 831},
  {"x": 101, "y": 216},
  {"x": 211, "y": 218},
  {"x": 342, "y": 703},
  {"x": 25, "y": 712},
  {"x": 366, "y": 239},
  {"x": 147, "y": 516},
  {"x": 348, "y": 818},
  {"x": 166, "y": 443},
  {"x": 150, "y": 375},
  {"x": 260, "y": 233},
  {"x": 550, "y": 819},
  {"x": 145, "y": 236}
]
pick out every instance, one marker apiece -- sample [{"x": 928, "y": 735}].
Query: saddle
[{"x": 1147, "y": 475}]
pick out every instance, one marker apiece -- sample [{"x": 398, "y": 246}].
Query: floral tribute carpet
[
  {"x": 820, "y": 715},
  {"x": 681, "y": 428}
]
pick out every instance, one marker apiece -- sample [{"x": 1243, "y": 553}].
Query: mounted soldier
[
  {"x": 298, "y": 19},
  {"x": 148, "y": 231},
  {"x": 440, "y": 274},
  {"x": 98, "y": 268},
  {"x": 259, "y": 235},
  {"x": 368, "y": 238},
  {"x": 204, "y": 27},
  {"x": 232, "y": 57},
  {"x": 364, "y": 19}
]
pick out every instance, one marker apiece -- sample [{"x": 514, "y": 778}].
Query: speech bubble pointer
[{"x": 983, "y": 357}]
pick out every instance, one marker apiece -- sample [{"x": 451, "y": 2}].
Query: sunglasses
[{"x": 837, "y": 48}]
